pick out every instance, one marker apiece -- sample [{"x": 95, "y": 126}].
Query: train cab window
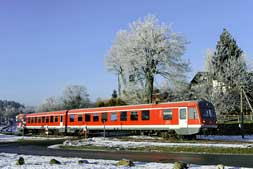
[
  {"x": 104, "y": 116},
  {"x": 193, "y": 113},
  {"x": 51, "y": 119},
  {"x": 95, "y": 117},
  {"x": 72, "y": 118},
  {"x": 167, "y": 114},
  {"x": 29, "y": 120},
  {"x": 56, "y": 119},
  {"x": 47, "y": 119},
  {"x": 61, "y": 119},
  {"x": 80, "y": 117},
  {"x": 39, "y": 119},
  {"x": 114, "y": 116},
  {"x": 123, "y": 116},
  {"x": 145, "y": 115},
  {"x": 134, "y": 115},
  {"x": 87, "y": 117}
]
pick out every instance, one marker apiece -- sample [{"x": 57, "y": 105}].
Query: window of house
[
  {"x": 87, "y": 117},
  {"x": 72, "y": 118},
  {"x": 123, "y": 116},
  {"x": 95, "y": 117},
  {"x": 80, "y": 117},
  {"x": 104, "y": 116},
  {"x": 114, "y": 116},
  {"x": 134, "y": 115},
  {"x": 145, "y": 115},
  {"x": 167, "y": 114},
  {"x": 193, "y": 113}
]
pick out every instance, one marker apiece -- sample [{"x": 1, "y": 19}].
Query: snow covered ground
[
  {"x": 13, "y": 138},
  {"x": 116, "y": 143},
  {"x": 247, "y": 138},
  {"x": 8, "y": 161}
]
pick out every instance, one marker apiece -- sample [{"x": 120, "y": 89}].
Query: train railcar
[{"x": 185, "y": 118}]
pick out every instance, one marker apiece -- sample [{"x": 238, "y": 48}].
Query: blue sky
[{"x": 48, "y": 44}]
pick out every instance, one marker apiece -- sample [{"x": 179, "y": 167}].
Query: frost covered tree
[
  {"x": 225, "y": 75},
  {"x": 230, "y": 72},
  {"x": 50, "y": 104},
  {"x": 75, "y": 96},
  {"x": 146, "y": 49}
]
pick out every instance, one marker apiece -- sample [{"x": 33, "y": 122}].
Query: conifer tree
[{"x": 229, "y": 73}]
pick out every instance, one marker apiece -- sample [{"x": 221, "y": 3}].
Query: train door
[
  {"x": 61, "y": 120},
  {"x": 183, "y": 117}
]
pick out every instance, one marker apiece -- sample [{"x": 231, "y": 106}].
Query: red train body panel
[{"x": 186, "y": 118}]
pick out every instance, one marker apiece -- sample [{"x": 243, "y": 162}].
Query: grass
[{"x": 175, "y": 149}]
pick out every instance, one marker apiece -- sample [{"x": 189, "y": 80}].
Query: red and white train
[{"x": 185, "y": 118}]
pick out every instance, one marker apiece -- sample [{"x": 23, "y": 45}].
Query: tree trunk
[
  {"x": 119, "y": 85},
  {"x": 149, "y": 87}
]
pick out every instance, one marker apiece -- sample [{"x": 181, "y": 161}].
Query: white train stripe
[{"x": 111, "y": 127}]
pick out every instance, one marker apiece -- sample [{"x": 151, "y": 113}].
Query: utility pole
[
  {"x": 241, "y": 125},
  {"x": 104, "y": 128}
]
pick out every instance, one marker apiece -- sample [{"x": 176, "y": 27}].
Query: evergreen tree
[
  {"x": 229, "y": 64},
  {"x": 229, "y": 73}
]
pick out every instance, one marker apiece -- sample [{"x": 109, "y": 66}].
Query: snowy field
[
  {"x": 247, "y": 138},
  {"x": 13, "y": 138},
  {"x": 8, "y": 161},
  {"x": 116, "y": 143}
]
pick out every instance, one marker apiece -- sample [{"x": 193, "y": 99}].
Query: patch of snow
[
  {"x": 247, "y": 138},
  {"x": 8, "y": 161},
  {"x": 145, "y": 137},
  {"x": 115, "y": 143},
  {"x": 14, "y": 138}
]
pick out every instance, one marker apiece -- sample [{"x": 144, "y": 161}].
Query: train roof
[{"x": 124, "y": 107}]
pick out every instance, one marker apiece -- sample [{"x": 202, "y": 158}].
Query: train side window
[
  {"x": 47, "y": 119},
  {"x": 134, "y": 115},
  {"x": 95, "y": 117},
  {"x": 51, "y": 119},
  {"x": 56, "y": 119},
  {"x": 193, "y": 113},
  {"x": 80, "y": 117},
  {"x": 29, "y": 120},
  {"x": 32, "y": 119},
  {"x": 61, "y": 119},
  {"x": 167, "y": 114},
  {"x": 145, "y": 115},
  {"x": 43, "y": 119},
  {"x": 39, "y": 119},
  {"x": 104, "y": 116},
  {"x": 35, "y": 119},
  {"x": 114, "y": 116},
  {"x": 87, "y": 117},
  {"x": 123, "y": 116},
  {"x": 72, "y": 118}
]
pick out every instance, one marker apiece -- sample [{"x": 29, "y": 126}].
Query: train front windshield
[{"x": 207, "y": 110}]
